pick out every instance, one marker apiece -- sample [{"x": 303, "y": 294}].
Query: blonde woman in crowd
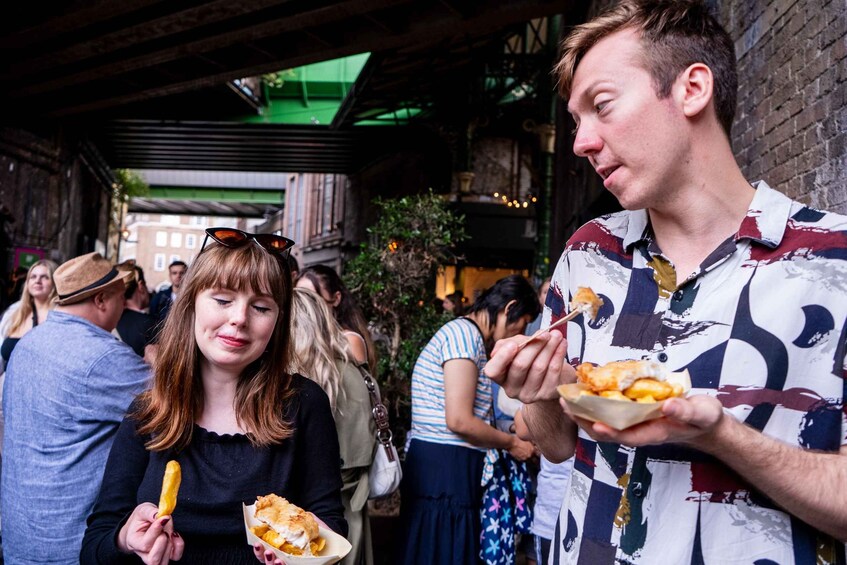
[
  {"x": 326, "y": 282},
  {"x": 36, "y": 300},
  {"x": 320, "y": 351}
]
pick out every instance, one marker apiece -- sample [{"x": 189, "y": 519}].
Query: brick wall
[{"x": 791, "y": 121}]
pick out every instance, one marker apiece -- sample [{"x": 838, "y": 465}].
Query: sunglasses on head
[{"x": 231, "y": 237}]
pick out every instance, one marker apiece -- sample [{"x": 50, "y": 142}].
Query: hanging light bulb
[{"x": 496, "y": 195}]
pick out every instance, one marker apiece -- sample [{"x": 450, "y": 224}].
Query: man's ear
[
  {"x": 99, "y": 300},
  {"x": 694, "y": 89},
  {"x": 509, "y": 305}
]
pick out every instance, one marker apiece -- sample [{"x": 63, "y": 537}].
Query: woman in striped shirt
[{"x": 451, "y": 427}]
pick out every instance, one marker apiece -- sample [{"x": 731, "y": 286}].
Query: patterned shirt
[
  {"x": 457, "y": 339},
  {"x": 761, "y": 325}
]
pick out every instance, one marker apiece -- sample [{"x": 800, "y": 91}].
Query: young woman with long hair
[
  {"x": 225, "y": 406},
  {"x": 37, "y": 299},
  {"x": 321, "y": 352},
  {"x": 326, "y": 282}
]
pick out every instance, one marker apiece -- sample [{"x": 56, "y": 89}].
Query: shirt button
[
  {"x": 677, "y": 295},
  {"x": 663, "y": 357},
  {"x": 637, "y": 489}
]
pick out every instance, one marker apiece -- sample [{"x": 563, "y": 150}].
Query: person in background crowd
[
  {"x": 702, "y": 271},
  {"x": 293, "y": 266},
  {"x": 551, "y": 484},
  {"x": 225, "y": 407},
  {"x": 451, "y": 427},
  {"x": 321, "y": 352},
  {"x": 161, "y": 302},
  {"x": 36, "y": 300},
  {"x": 326, "y": 282},
  {"x": 454, "y": 303},
  {"x": 535, "y": 325},
  {"x": 67, "y": 388},
  {"x": 136, "y": 328},
  {"x": 18, "y": 282}
]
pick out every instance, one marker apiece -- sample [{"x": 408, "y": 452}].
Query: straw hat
[{"x": 84, "y": 276}]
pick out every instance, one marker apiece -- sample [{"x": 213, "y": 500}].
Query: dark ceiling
[{"x": 148, "y": 78}]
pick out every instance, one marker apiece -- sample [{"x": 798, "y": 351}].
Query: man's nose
[{"x": 586, "y": 141}]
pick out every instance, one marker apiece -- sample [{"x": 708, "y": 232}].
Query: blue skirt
[{"x": 441, "y": 499}]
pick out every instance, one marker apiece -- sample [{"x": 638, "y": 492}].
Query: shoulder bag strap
[{"x": 380, "y": 414}]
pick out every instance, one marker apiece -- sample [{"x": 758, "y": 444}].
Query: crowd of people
[{"x": 254, "y": 375}]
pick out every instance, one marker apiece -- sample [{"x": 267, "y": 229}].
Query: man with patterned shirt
[{"x": 702, "y": 270}]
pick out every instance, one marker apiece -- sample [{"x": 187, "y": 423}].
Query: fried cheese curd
[
  {"x": 287, "y": 527},
  {"x": 586, "y": 301},
  {"x": 639, "y": 381},
  {"x": 170, "y": 488}
]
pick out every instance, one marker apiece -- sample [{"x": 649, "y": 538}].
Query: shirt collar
[
  {"x": 764, "y": 223},
  {"x": 637, "y": 228},
  {"x": 766, "y": 217}
]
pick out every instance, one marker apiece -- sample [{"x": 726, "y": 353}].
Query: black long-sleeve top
[{"x": 219, "y": 472}]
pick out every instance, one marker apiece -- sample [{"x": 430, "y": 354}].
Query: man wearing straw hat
[{"x": 67, "y": 388}]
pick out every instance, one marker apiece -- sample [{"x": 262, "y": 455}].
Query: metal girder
[
  {"x": 95, "y": 56},
  {"x": 148, "y": 144}
]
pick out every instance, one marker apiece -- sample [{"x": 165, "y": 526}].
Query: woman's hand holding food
[
  {"x": 688, "y": 420},
  {"x": 266, "y": 556},
  {"x": 153, "y": 539}
]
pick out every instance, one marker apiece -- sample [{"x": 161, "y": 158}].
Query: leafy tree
[{"x": 393, "y": 277}]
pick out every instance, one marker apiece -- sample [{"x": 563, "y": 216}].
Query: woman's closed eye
[{"x": 261, "y": 309}]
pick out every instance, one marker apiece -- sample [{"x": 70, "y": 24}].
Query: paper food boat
[
  {"x": 619, "y": 414},
  {"x": 334, "y": 551}
]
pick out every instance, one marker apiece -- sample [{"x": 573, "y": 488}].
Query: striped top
[{"x": 457, "y": 339}]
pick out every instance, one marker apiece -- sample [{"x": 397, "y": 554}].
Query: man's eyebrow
[{"x": 586, "y": 92}]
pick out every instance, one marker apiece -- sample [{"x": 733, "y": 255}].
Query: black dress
[
  {"x": 10, "y": 342},
  {"x": 219, "y": 472}
]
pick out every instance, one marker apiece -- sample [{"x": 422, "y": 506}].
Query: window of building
[
  {"x": 161, "y": 239},
  {"x": 159, "y": 262},
  {"x": 176, "y": 239},
  {"x": 198, "y": 220},
  {"x": 190, "y": 241},
  {"x": 170, "y": 219},
  {"x": 326, "y": 204}
]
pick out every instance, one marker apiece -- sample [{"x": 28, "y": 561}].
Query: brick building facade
[{"x": 791, "y": 121}]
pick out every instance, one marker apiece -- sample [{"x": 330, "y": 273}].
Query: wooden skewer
[{"x": 573, "y": 314}]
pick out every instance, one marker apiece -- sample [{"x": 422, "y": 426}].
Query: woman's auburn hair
[
  {"x": 169, "y": 409},
  {"x": 318, "y": 346},
  {"x": 27, "y": 301}
]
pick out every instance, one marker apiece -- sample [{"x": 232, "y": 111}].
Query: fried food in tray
[
  {"x": 287, "y": 526},
  {"x": 642, "y": 381},
  {"x": 291, "y": 533},
  {"x": 623, "y": 393}
]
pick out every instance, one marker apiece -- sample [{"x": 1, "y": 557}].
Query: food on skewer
[{"x": 586, "y": 301}]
